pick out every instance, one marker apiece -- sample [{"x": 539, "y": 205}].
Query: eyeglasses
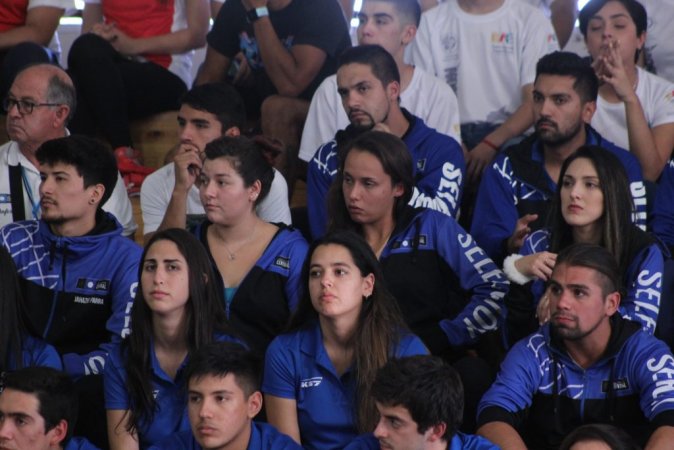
[{"x": 24, "y": 106}]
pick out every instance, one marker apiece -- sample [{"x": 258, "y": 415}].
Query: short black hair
[
  {"x": 219, "y": 359},
  {"x": 614, "y": 437},
  {"x": 54, "y": 390},
  {"x": 429, "y": 388},
  {"x": 219, "y": 99},
  {"x": 408, "y": 10},
  {"x": 92, "y": 159},
  {"x": 593, "y": 257},
  {"x": 380, "y": 61},
  {"x": 586, "y": 83}
]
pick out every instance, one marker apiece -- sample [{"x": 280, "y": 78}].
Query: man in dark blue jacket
[
  {"x": 516, "y": 191},
  {"x": 368, "y": 82},
  {"x": 587, "y": 365}
]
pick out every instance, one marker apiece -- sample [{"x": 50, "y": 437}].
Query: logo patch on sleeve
[
  {"x": 91, "y": 284},
  {"x": 618, "y": 385},
  {"x": 282, "y": 262},
  {"x": 421, "y": 164}
]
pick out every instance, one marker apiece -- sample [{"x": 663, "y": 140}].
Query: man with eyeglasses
[{"x": 39, "y": 105}]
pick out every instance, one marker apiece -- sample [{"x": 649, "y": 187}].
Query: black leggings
[{"x": 112, "y": 89}]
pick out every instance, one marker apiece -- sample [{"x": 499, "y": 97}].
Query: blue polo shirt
[
  {"x": 262, "y": 437},
  {"x": 298, "y": 367},
  {"x": 169, "y": 394},
  {"x": 459, "y": 441}
]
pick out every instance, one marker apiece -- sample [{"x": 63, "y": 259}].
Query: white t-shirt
[
  {"x": 156, "y": 190},
  {"x": 118, "y": 204},
  {"x": 485, "y": 58},
  {"x": 660, "y": 39},
  {"x": 657, "y": 100},
  {"x": 425, "y": 97}
]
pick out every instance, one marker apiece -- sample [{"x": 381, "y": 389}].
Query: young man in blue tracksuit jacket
[
  {"x": 587, "y": 365},
  {"x": 420, "y": 404},
  {"x": 517, "y": 188},
  {"x": 78, "y": 273},
  {"x": 369, "y": 84},
  {"x": 662, "y": 221}
]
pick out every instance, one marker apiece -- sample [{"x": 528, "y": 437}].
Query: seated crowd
[{"x": 368, "y": 317}]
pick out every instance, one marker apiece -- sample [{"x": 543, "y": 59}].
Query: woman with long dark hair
[
  {"x": 257, "y": 264},
  {"x": 17, "y": 347},
  {"x": 176, "y": 310},
  {"x": 592, "y": 205},
  {"x": 317, "y": 377}
]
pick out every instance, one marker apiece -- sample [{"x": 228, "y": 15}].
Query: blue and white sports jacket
[
  {"x": 442, "y": 280},
  {"x": 439, "y": 170},
  {"x": 544, "y": 394},
  {"x": 517, "y": 184},
  {"x": 78, "y": 291},
  {"x": 662, "y": 222}
]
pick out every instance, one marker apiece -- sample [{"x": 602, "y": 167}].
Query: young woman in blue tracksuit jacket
[
  {"x": 176, "y": 310},
  {"x": 17, "y": 348},
  {"x": 317, "y": 378},
  {"x": 257, "y": 264},
  {"x": 448, "y": 289},
  {"x": 593, "y": 204}
]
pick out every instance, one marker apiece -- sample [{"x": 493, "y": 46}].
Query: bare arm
[
  {"x": 518, "y": 122},
  {"x": 214, "y": 69},
  {"x": 91, "y": 15},
  {"x": 503, "y": 435},
  {"x": 119, "y": 438},
  {"x": 661, "y": 439},
  {"x": 215, "y": 9},
  {"x": 282, "y": 413},
  {"x": 186, "y": 165},
  {"x": 194, "y": 36},
  {"x": 563, "y": 17},
  {"x": 41, "y": 23},
  {"x": 290, "y": 71}
]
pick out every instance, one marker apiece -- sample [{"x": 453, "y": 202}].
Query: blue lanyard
[{"x": 34, "y": 204}]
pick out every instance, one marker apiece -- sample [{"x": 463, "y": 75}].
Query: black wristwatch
[{"x": 253, "y": 14}]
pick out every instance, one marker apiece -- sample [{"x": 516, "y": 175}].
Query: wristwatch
[{"x": 253, "y": 14}]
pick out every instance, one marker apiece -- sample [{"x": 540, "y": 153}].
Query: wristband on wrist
[
  {"x": 490, "y": 144},
  {"x": 511, "y": 271},
  {"x": 254, "y": 14}
]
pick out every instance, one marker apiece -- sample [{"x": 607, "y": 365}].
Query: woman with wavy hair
[
  {"x": 176, "y": 311},
  {"x": 592, "y": 205},
  {"x": 318, "y": 376}
]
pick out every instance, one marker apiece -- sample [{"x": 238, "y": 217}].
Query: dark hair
[
  {"x": 614, "y": 437},
  {"x": 430, "y": 389},
  {"x": 246, "y": 158},
  {"x": 221, "y": 358},
  {"x": 54, "y": 391},
  {"x": 92, "y": 159},
  {"x": 380, "y": 323},
  {"x": 596, "y": 258},
  {"x": 12, "y": 330},
  {"x": 396, "y": 161},
  {"x": 409, "y": 11},
  {"x": 380, "y": 61},
  {"x": 617, "y": 229},
  {"x": 569, "y": 64},
  {"x": 635, "y": 9},
  {"x": 219, "y": 99},
  {"x": 204, "y": 318}
]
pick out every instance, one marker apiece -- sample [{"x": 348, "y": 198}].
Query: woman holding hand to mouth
[
  {"x": 592, "y": 205},
  {"x": 257, "y": 264},
  {"x": 176, "y": 310},
  {"x": 635, "y": 109},
  {"x": 317, "y": 378}
]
